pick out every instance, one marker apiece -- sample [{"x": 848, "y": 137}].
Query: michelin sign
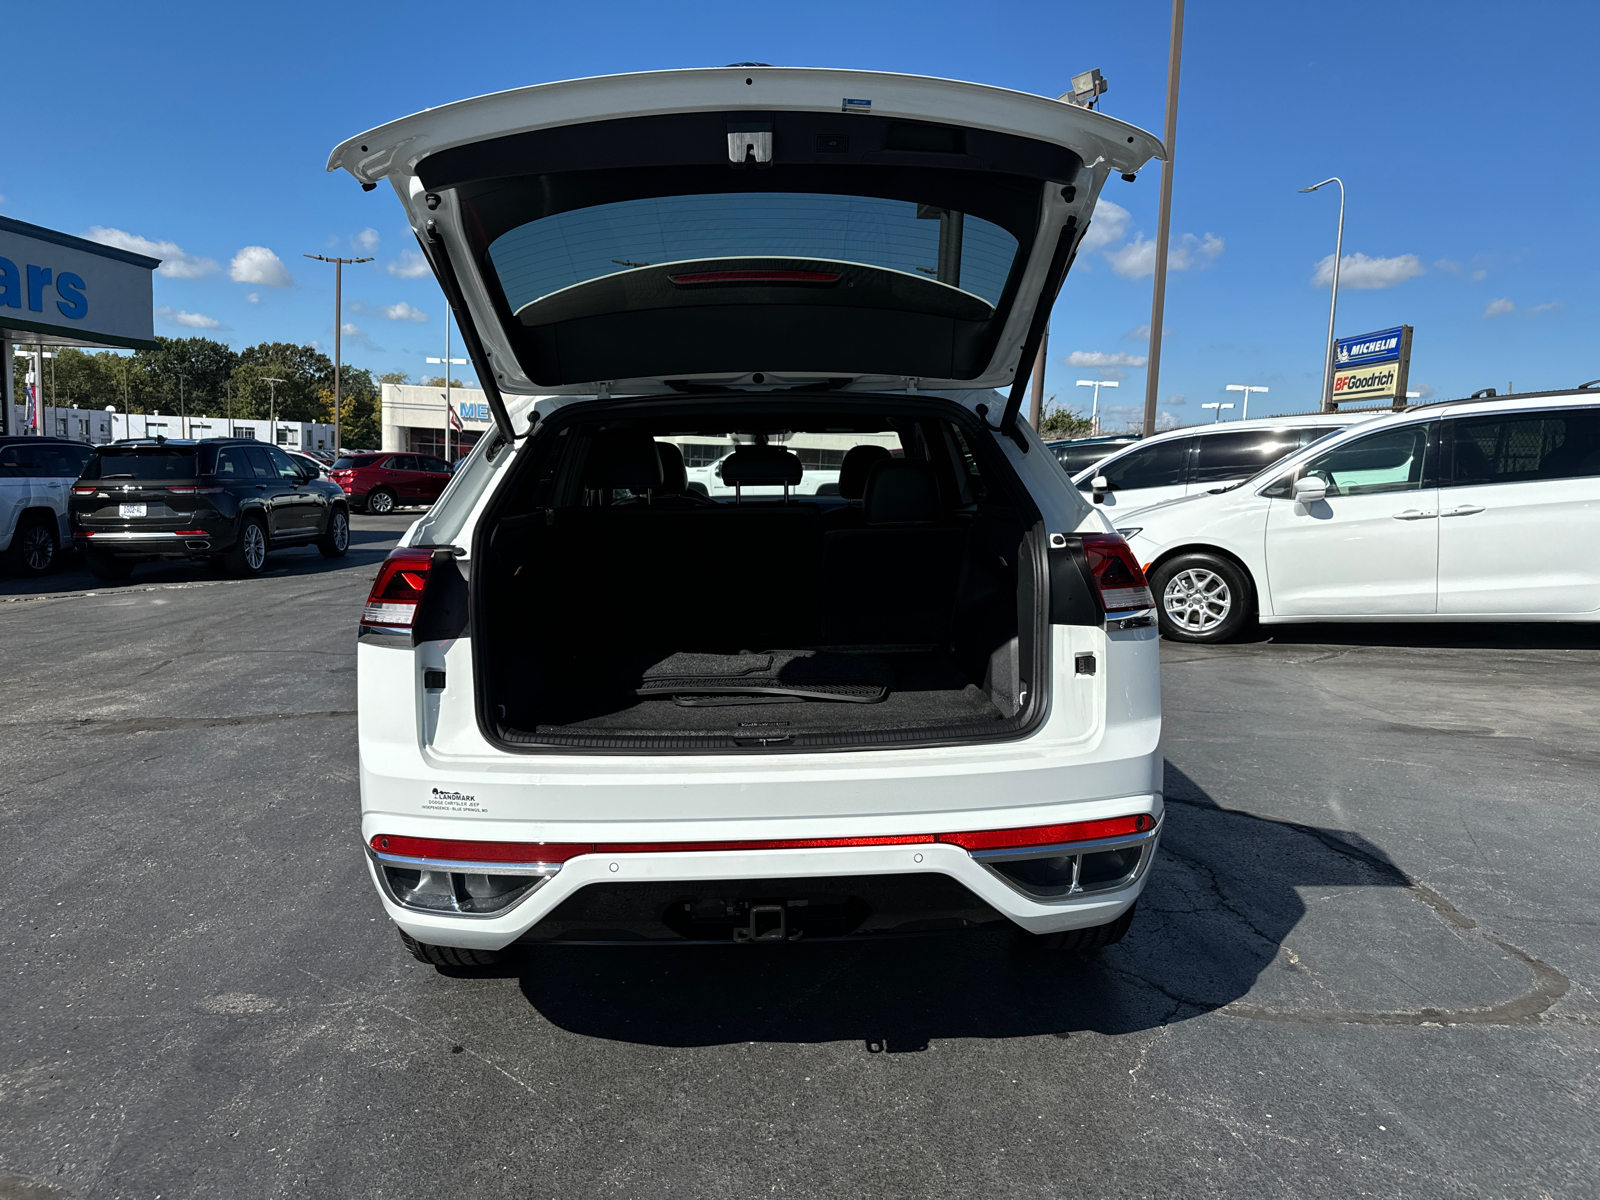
[{"x": 1372, "y": 366}]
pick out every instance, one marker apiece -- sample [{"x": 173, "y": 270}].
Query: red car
[{"x": 381, "y": 483}]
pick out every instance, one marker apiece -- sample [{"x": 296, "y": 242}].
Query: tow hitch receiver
[{"x": 768, "y": 923}]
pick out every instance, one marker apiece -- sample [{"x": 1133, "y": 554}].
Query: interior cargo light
[
  {"x": 398, "y": 588},
  {"x": 1117, "y": 574}
]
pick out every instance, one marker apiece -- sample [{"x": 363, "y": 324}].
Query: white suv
[
  {"x": 1188, "y": 462},
  {"x": 597, "y": 705},
  {"x": 36, "y": 477}
]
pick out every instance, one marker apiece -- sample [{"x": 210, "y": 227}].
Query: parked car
[
  {"x": 1079, "y": 453},
  {"x": 310, "y": 462},
  {"x": 596, "y": 707},
  {"x": 1183, "y": 462},
  {"x": 381, "y": 483},
  {"x": 1463, "y": 511},
  {"x": 35, "y": 473},
  {"x": 223, "y": 499}
]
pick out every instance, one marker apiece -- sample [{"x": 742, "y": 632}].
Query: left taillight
[
  {"x": 1117, "y": 574},
  {"x": 83, "y": 491},
  {"x": 398, "y": 589}
]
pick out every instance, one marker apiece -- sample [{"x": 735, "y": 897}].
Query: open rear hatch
[{"x": 677, "y": 229}]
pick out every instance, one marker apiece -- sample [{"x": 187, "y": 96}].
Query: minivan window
[
  {"x": 142, "y": 463},
  {"x": 1229, "y": 456},
  {"x": 1389, "y": 461},
  {"x": 1160, "y": 464},
  {"x": 1523, "y": 447},
  {"x": 545, "y": 256}
]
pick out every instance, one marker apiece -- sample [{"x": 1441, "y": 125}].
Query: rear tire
[
  {"x": 1083, "y": 941},
  {"x": 449, "y": 956},
  {"x": 336, "y": 541},
  {"x": 1203, "y": 598},
  {"x": 33, "y": 547},
  {"x": 104, "y": 566},
  {"x": 248, "y": 554},
  {"x": 381, "y": 501}
]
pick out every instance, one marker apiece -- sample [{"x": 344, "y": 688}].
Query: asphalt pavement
[{"x": 1366, "y": 965}]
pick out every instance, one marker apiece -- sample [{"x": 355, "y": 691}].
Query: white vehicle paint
[
  {"x": 1201, "y": 458},
  {"x": 36, "y": 474},
  {"x": 1478, "y": 510},
  {"x": 481, "y": 830}
]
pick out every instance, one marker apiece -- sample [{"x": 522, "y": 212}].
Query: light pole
[
  {"x": 1333, "y": 303},
  {"x": 448, "y": 363},
  {"x": 1219, "y": 406},
  {"x": 338, "y": 330},
  {"x": 272, "y": 417},
  {"x": 1094, "y": 413},
  {"x": 1246, "y": 388},
  {"x": 1158, "y": 291}
]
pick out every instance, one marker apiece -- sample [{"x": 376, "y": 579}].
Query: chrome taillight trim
[
  {"x": 1144, "y": 842},
  {"x": 1060, "y": 849},
  {"x": 465, "y": 868}
]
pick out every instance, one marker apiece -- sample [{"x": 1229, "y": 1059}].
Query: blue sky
[{"x": 1465, "y": 133}]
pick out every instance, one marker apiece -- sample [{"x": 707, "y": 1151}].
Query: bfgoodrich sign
[
  {"x": 1372, "y": 366},
  {"x": 63, "y": 290}
]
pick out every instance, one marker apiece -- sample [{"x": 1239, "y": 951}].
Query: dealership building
[{"x": 414, "y": 419}]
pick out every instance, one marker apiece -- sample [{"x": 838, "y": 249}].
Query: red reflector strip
[
  {"x": 191, "y": 533},
  {"x": 756, "y": 277},
  {"x": 453, "y": 850},
  {"x": 184, "y": 491}
]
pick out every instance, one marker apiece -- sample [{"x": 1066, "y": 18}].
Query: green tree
[
  {"x": 305, "y": 370},
  {"x": 360, "y": 409},
  {"x": 1058, "y": 423},
  {"x": 204, "y": 366}
]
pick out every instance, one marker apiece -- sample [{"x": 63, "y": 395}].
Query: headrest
[
  {"x": 674, "y": 478},
  {"x": 761, "y": 466},
  {"x": 857, "y": 465},
  {"x": 900, "y": 492},
  {"x": 622, "y": 459}
]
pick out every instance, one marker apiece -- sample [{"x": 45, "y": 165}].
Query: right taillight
[
  {"x": 1117, "y": 574},
  {"x": 397, "y": 590}
]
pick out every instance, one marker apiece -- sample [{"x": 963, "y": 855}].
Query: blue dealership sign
[{"x": 1365, "y": 349}]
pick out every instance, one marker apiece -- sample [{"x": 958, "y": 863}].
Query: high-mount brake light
[
  {"x": 700, "y": 277},
  {"x": 452, "y": 850},
  {"x": 397, "y": 590},
  {"x": 1117, "y": 574}
]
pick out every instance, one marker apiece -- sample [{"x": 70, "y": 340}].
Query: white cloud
[
  {"x": 1477, "y": 276},
  {"x": 410, "y": 265},
  {"x": 257, "y": 264},
  {"x": 403, "y": 312},
  {"x": 1141, "y": 333},
  {"x": 1165, "y": 421},
  {"x": 1424, "y": 391},
  {"x": 357, "y": 336},
  {"x": 367, "y": 240},
  {"x": 188, "y": 320},
  {"x": 1178, "y": 399},
  {"x": 1098, "y": 358},
  {"x": 1359, "y": 271},
  {"x": 1543, "y": 308},
  {"x": 1138, "y": 258},
  {"x": 254, "y": 297},
  {"x": 1108, "y": 223},
  {"x": 176, "y": 263},
  {"x": 1499, "y": 308},
  {"x": 1448, "y": 265}
]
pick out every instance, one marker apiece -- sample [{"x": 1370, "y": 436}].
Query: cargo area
[{"x": 616, "y": 607}]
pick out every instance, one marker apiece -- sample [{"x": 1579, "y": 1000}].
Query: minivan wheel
[
  {"x": 449, "y": 956},
  {"x": 248, "y": 554},
  {"x": 380, "y": 501},
  {"x": 33, "y": 547},
  {"x": 1202, "y": 598},
  {"x": 105, "y": 566},
  {"x": 1082, "y": 941},
  {"x": 336, "y": 540}
]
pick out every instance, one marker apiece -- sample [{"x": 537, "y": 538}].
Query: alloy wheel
[
  {"x": 37, "y": 548},
  {"x": 1197, "y": 600},
  {"x": 380, "y": 502},
  {"x": 255, "y": 546},
  {"x": 341, "y": 531}
]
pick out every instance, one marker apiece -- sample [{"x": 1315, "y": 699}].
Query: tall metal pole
[
  {"x": 1036, "y": 401},
  {"x": 338, "y": 330},
  {"x": 1333, "y": 306},
  {"x": 1158, "y": 299},
  {"x": 447, "y": 383}
]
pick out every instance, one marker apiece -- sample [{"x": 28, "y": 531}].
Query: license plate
[{"x": 130, "y": 510}]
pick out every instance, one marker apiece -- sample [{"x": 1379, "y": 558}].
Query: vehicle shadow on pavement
[
  {"x": 1223, "y": 895},
  {"x": 367, "y": 548},
  {"x": 1463, "y": 635}
]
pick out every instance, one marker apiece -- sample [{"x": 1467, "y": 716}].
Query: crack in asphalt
[
  {"x": 1549, "y": 984},
  {"x": 164, "y": 724}
]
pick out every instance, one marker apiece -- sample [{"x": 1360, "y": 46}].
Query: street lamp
[
  {"x": 338, "y": 329},
  {"x": 1333, "y": 303},
  {"x": 1094, "y": 413},
  {"x": 1246, "y": 388},
  {"x": 1219, "y": 406},
  {"x": 448, "y": 363},
  {"x": 272, "y": 417}
]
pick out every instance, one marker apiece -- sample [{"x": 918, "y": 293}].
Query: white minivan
[
  {"x": 598, "y": 706},
  {"x": 1477, "y": 510},
  {"x": 1186, "y": 462}
]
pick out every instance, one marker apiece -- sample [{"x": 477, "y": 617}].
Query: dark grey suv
[{"x": 229, "y": 500}]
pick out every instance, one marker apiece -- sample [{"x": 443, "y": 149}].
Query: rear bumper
[
  {"x": 625, "y": 896},
  {"x": 140, "y": 544}
]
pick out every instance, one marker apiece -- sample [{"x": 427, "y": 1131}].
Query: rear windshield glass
[
  {"x": 351, "y": 462},
  {"x": 142, "y": 462},
  {"x": 544, "y": 256}
]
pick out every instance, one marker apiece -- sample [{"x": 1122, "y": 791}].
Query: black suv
[{"x": 226, "y": 499}]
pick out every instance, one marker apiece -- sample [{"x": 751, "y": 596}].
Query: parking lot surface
[{"x": 1367, "y": 963}]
